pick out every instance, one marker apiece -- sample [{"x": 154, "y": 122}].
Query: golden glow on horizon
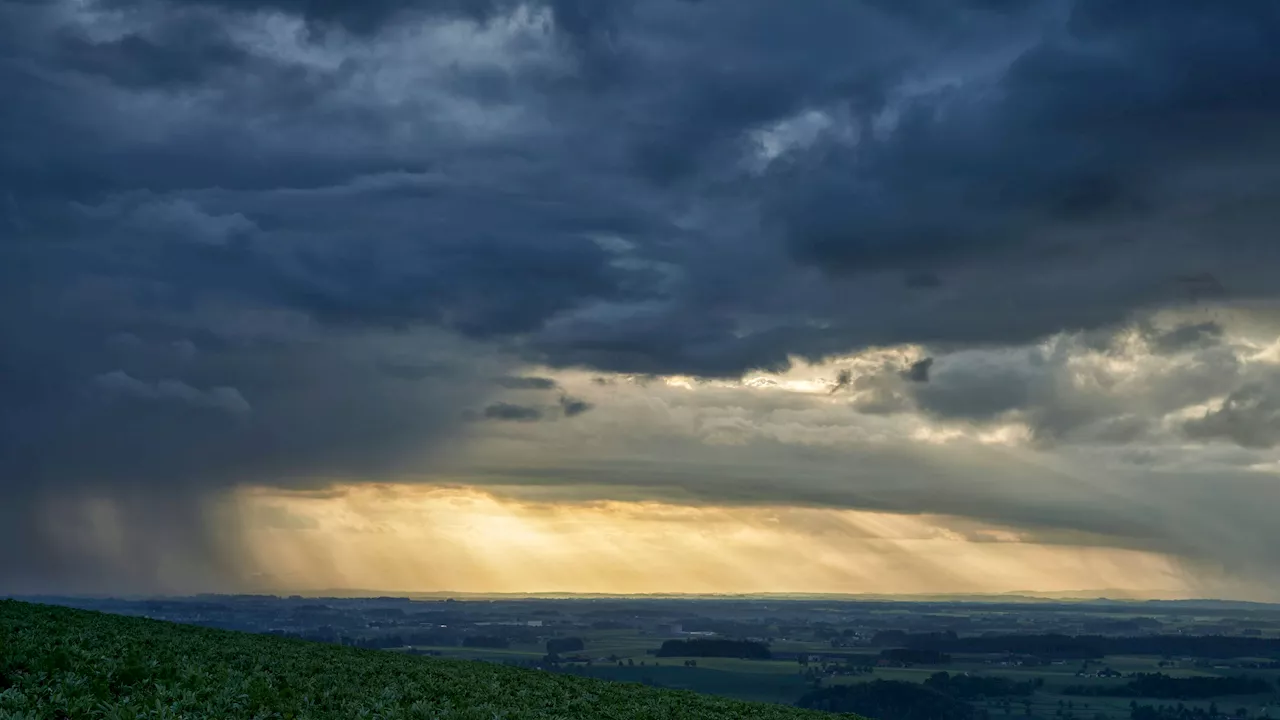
[{"x": 413, "y": 538}]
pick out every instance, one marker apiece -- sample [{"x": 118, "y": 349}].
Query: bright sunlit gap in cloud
[{"x": 409, "y": 538}]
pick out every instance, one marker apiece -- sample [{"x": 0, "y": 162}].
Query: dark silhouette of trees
[
  {"x": 715, "y": 647},
  {"x": 976, "y": 687},
  {"x": 1159, "y": 685},
  {"x": 915, "y": 656},
  {"x": 1178, "y": 712},
  {"x": 486, "y": 641},
  {"x": 889, "y": 699},
  {"x": 559, "y": 646},
  {"x": 1082, "y": 647}
]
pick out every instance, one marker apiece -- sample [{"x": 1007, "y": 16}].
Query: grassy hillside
[{"x": 60, "y": 663}]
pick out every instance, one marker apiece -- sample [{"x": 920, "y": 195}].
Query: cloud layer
[{"x": 279, "y": 242}]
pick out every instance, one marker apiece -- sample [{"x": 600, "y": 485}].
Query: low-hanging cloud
[
  {"x": 119, "y": 383},
  {"x": 1133, "y": 384},
  {"x": 1061, "y": 468},
  {"x": 573, "y": 407},
  {"x": 512, "y": 412},
  {"x": 1249, "y": 416},
  {"x": 526, "y": 382}
]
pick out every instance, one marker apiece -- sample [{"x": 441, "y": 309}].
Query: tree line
[
  {"x": 977, "y": 687},
  {"x": 715, "y": 647},
  {"x": 1159, "y": 685},
  {"x": 1182, "y": 712},
  {"x": 895, "y": 699},
  {"x": 1091, "y": 646}
]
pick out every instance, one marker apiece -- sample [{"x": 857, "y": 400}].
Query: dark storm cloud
[
  {"x": 357, "y": 16},
  {"x": 527, "y": 383},
  {"x": 414, "y": 372},
  {"x": 919, "y": 370},
  {"x": 1183, "y": 337},
  {"x": 1084, "y": 155},
  {"x": 515, "y": 413},
  {"x": 990, "y": 172},
  {"x": 186, "y": 51},
  {"x": 573, "y": 407},
  {"x": 1071, "y": 132},
  {"x": 157, "y": 454},
  {"x": 208, "y": 250},
  {"x": 1249, "y": 417},
  {"x": 981, "y": 390},
  {"x": 568, "y": 406},
  {"x": 295, "y": 192},
  {"x": 843, "y": 379},
  {"x": 367, "y": 16}
]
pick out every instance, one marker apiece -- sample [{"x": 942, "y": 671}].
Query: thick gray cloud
[
  {"x": 1249, "y": 416},
  {"x": 918, "y": 371},
  {"x": 568, "y": 407},
  {"x": 509, "y": 411},
  {"x": 527, "y": 383},
  {"x": 328, "y": 225},
  {"x": 157, "y": 454},
  {"x": 1080, "y": 480},
  {"x": 573, "y": 407},
  {"x": 926, "y": 146},
  {"x": 1191, "y": 335},
  {"x": 1097, "y": 387},
  {"x": 1070, "y": 132}
]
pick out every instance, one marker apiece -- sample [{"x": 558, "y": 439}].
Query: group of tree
[
  {"x": 1165, "y": 687},
  {"x": 1087, "y": 646},
  {"x": 1181, "y": 712},
  {"x": 381, "y": 641},
  {"x": 554, "y": 660},
  {"x": 915, "y": 656},
  {"x": 889, "y": 699},
  {"x": 560, "y": 646},
  {"x": 943, "y": 696},
  {"x": 902, "y": 638},
  {"x": 715, "y": 647},
  {"x": 722, "y": 626},
  {"x": 836, "y": 668},
  {"x": 491, "y": 642},
  {"x": 978, "y": 687}
]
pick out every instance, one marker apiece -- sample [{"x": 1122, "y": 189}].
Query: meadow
[
  {"x": 58, "y": 663},
  {"x": 784, "y": 681}
]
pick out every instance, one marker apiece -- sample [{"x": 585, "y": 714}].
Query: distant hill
[
  {"x": 58, "y": 662},
  {"x": 1087, "y": 596},
  {"x": 1028, "y": 598}
]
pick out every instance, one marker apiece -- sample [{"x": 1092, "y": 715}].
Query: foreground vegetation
[{"x": 60, "y": 663}]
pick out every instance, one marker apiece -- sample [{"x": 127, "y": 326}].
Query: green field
[
  {"x": 58, "y": 663},
  {"x": 784, "y": 682},
  {"x": 1051, "y": 702},
  {"x": 64, "y": 664},
  {"x": 753, "y": 680}
]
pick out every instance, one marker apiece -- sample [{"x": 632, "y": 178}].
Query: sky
[{"x": 633, "y": 296}]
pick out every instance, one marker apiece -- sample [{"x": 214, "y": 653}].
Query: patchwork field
[
  {"x": 58, "y": 663},
  {"x": 627, "y": 656}
]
